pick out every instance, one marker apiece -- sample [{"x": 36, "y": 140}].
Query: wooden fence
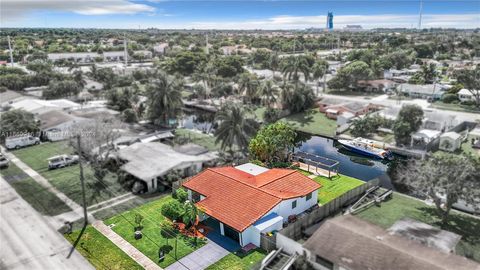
[{"x": 295, "y": 230}]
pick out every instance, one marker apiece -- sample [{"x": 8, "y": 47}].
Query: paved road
[
  {"x": 200, "y": 258},
  {"x": 28, "y": 241}
]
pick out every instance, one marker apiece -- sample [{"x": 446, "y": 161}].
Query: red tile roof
[{"x": 238, "y": 199}]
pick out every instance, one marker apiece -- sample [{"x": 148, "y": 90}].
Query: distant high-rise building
[{"x": 330, "y": 21}]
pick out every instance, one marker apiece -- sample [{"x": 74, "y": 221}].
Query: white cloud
[
  {"x": 367, "y": 21},
  {"x": 17, "y": 9}
]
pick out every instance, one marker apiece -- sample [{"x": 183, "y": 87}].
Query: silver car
[{"x": 62, "y": 161}]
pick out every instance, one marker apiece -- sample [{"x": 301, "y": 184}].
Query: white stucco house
[
  {"x": 465, "y": 95},
  {"x": 249, "y": 200},
  {"x": 450, "y": 141}
]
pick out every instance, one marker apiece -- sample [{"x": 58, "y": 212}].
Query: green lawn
[
  {"x": 67, "y": 180},
  {"x": 204, "y": 140},
  {"x": 237, "y": 261},
  {"x": 468, "y": 149},
  {"x": 152, "y": 238},
  {"x": 42, "y": 200},
  {"x": 333, "y": 188},
  {"x": 401, "y": 206},
  {"x": 100, "y": 252},
  {"x": 313, "y": 122}
]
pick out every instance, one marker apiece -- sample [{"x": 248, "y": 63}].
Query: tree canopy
[{"x": 272, "y": 142}]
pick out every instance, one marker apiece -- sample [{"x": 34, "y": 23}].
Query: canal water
[{"x": 351, "y": 164}]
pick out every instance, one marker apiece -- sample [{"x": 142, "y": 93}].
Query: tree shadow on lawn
[
  {"x": 467, "y": 227},
  {"x": 302, "y": 119}
]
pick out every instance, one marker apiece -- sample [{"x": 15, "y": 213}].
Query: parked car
[
  {"x": 21, "y": 141},
  {"x": 4, "y": 162},
  {"x": 62, "y": 161}
]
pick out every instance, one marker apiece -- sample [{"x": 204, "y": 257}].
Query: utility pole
[
  {"x": 206, "y": 43},
  {"x": 82, "y": 181},
  {"x": 125, "y": 53},
  {"x": 420, "y": 15},
  {"x": 10, "y": 51}
]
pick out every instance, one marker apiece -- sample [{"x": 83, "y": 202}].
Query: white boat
[{"x": 366, "y": 147}]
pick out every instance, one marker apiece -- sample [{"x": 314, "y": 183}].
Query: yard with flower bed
[{"x": 124, "y": 225}]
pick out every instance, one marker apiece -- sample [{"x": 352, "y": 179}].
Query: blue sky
[{"x": 236, "y": 14}]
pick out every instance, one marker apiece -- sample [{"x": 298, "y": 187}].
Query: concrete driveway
[{"x": 200, "y": 258}]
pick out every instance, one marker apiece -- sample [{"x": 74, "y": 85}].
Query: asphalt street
[{"x": 28, "y": 240}]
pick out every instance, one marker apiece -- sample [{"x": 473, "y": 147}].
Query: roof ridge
[
  {"x": 244, "y": 183},
  {"x": 291, "y": 172}
]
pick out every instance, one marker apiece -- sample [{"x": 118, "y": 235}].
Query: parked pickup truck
[
  {"x": 62, "y": 161},
  {"x": 20, "y": 141},
  {"x": 3, "y": 161}
]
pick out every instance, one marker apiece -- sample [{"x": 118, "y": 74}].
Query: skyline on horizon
[{"x": 237, "y": 15}]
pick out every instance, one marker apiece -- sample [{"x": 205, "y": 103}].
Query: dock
[
  {"x": 315, "y": 164},
  {"x": 314, "y": 170}
]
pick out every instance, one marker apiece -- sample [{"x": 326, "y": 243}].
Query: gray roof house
[
  {"x": 427, "y": 91},
  {"x": 350, "y": 243},
  {"x": 150, "y": 161}
]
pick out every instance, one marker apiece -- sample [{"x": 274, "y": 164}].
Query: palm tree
[
  {"x": 248, "y": 84},
  {"x": 274, "y": 63},
  {"x": 319, "y": 70},
  {"x": 164, "y": 98},
  {"x": 268, "y": 92},
  {"x": 234, "y": 129},
  {"x": 294, "y": 65}
]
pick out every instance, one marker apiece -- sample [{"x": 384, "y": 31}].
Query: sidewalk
[
  {"x": 42, "y": 181},
  {"x": 126, "y": 247}
]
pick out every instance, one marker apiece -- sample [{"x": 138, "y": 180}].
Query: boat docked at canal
[{"x": 366, "y": 147}]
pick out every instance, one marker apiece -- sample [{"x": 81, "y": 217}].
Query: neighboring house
[
  {"x": 377, "y": 85},
  {"x": 248, "y": 200},
  {"x": 149, "y": 162},
  {"x": 354, "y": 108},
  {"x": 427, "y": 91},
  {"x": 424, "y": 137},
  {"x": 466, "y": 95},
  {"x": 439, "y": 121},
  {"x": 228, "y": 50},
  {"x": 38, "y": 106},
  {"x": 450, "y": 141},
  {"x": 160, "y": 48},
  {"x": 350, "y": 243},
  {"x": 114, "y": 56},
  {"x": 56, "y": 125},
  {"x": 325, "y": 103},
  {"x": 82, "y": 57}
]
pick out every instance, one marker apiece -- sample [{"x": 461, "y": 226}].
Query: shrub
[
  {"x": 173, "y": 210},
  {"x": 271, "y": 115},
  {"x": 449, "y": 98},
  {"x": 180, "y": 194},
  {"x": 128, "y": 115}
]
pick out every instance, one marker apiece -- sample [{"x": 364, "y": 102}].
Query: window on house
[
  {"x": 294, "y": 204},
  {"x": 309, "y": 196}
]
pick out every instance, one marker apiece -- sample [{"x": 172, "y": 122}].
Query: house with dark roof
[
  {"x": 249, "y": 200},
  {"x": 350, "y": 243}
]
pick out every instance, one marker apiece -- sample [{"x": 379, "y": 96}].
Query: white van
[{"x": 21, "y": 141}]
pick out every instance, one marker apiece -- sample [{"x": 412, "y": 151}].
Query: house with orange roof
[{"x": 249, "y": 200}]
